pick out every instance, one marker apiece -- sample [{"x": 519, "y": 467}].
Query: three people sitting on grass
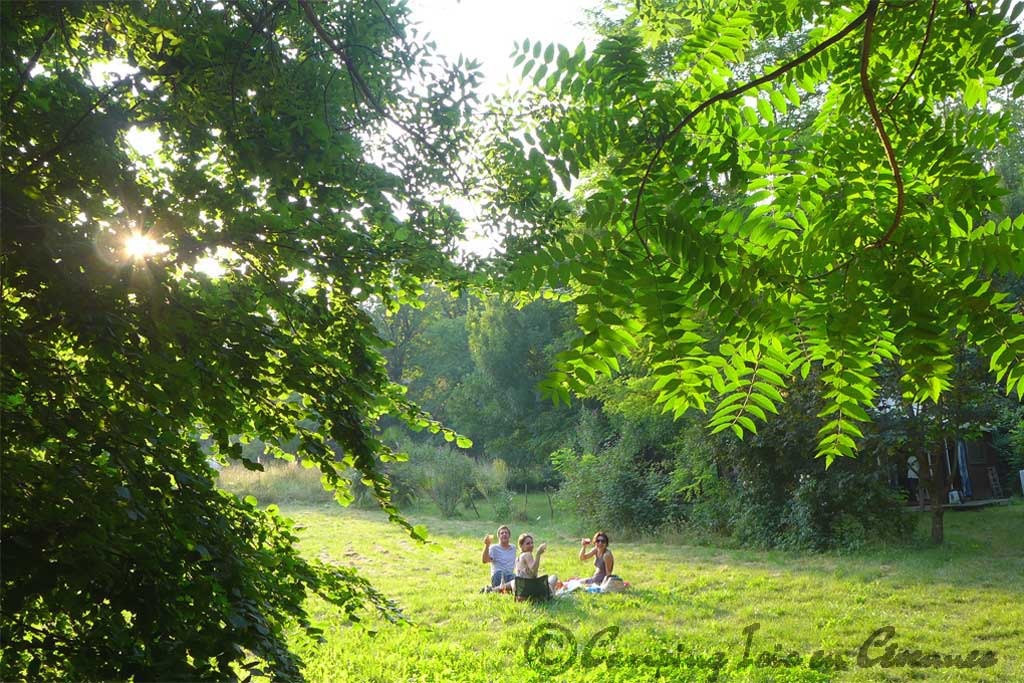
[{"x": 505, "y": 566}]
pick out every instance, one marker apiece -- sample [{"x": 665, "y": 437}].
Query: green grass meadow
[{"x": 689, "y": 612}]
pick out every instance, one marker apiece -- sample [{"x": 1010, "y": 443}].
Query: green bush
[
  {"x": 773, "y": 494},
  {"x": 445, "y": 476},
  {"x": 502, "y": 504},
  {"x": 612, "y": 490},
  {"x": 405, "y": 485},
  {"x": 580, "y": 483},
  {"x": 846, "y": 509},
  {"x": 490, "y": 478}
]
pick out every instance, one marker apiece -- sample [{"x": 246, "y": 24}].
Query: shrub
[
  {"x": 842, "y": 509},
  {"x": 405, "y": 485},
  {"x": 447, "y": 479},
  {"x": 502, "y": 504},
  {"x": 490, "y": 478},
  {"x": 612, "y": 490},
  {"x": 805, "y": 506},
  {"x": 580, "y": 483}
]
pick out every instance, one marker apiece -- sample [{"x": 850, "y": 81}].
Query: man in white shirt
[{"x": 501, "y": 557}]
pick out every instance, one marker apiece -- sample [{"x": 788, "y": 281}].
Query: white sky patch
[
  {"x": 217, "y": 264},
  {"x": 211, "y": 267},
  {"x": 487, "y": 31},
  {"x": 145, "y": 141},
  {"x": 106, "y": 72},
  {"x": 476, "y": 240}
]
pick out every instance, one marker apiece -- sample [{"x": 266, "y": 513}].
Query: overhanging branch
[
  {"x": 729, "y": 94},
  {"x": 23, "y": 76},
  {"x": 364, "y": 89},
  {"x": 876, "y": 117},
  {"x": 920, "y": 55},
  {"x": 339, "y": 50}
]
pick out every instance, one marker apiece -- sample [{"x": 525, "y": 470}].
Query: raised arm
[
  {"x": 584, "y": 553},
  {"x": 535, "y": 568},
  {"x": 487, "y": 549}
]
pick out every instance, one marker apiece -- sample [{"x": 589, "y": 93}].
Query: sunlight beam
[{"x": 138, "y": 246}]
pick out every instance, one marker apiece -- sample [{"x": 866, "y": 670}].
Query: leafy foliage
[
  {"x": 619, "y": 472},
  {"x": 761, "y": 187},
  {"x": 294, "y": 159},
  {"x": 774, "y": 495},
  {"x": 474, "y": 364}
]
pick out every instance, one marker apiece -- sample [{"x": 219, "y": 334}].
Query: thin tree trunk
[{"x": 936, "y": 491}]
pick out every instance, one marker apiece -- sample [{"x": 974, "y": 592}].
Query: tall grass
[
  {"x": 279, "y": 483},
  {"x": 292, "y": 484}
]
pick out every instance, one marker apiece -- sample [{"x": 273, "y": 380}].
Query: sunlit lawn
[{"x": 686, "y": 604}]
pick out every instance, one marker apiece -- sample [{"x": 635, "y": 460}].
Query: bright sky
[{"x": 486, "y": 30}]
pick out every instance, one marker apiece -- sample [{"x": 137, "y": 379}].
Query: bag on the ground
[
  {"x": 532, "y": 589},
  {"x": 613, "y": 584}
]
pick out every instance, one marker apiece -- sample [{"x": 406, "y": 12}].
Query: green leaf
[{"x": 778, "y": 101}]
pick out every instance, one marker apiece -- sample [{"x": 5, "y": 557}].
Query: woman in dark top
[{"x": 604, "y": 562}]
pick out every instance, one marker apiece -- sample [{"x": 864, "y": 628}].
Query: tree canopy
[
  {"x": 212, "y": 285},
  {"x": 738, "y": 191}
]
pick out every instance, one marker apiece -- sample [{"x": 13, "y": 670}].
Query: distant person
[
  {"x": 527, "y": 565},
  {"x": 913, "y": 478},
  {"x": 604, "y": 562},
  {"x": 502, "y": 558}
]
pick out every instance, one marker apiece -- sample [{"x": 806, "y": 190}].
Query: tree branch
[
  {"x": 876, "y": 117},
  {"x": 23, "y": 76},
  {"x": 920, "y": 55},
  {"x": 364, "y": 89},
  {"x": 339, "y": 50},
  {"x": 729, "y": 94}
]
